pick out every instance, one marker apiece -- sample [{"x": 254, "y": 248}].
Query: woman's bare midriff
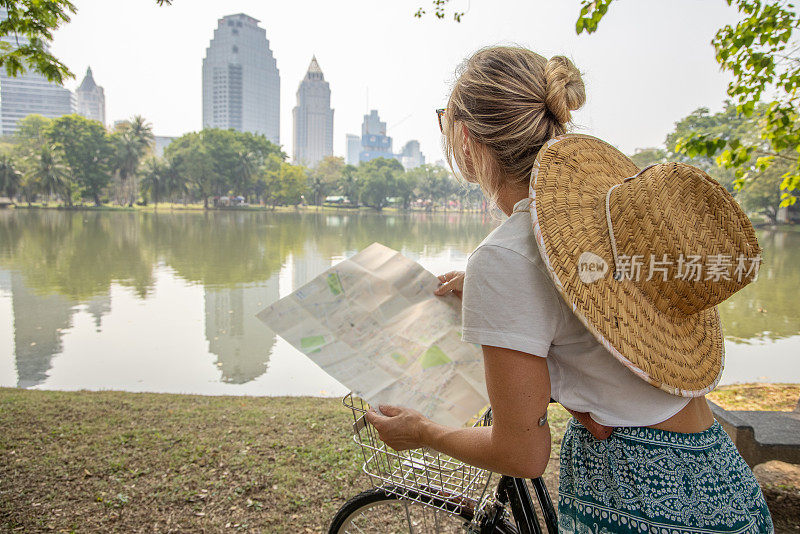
[{"x": 694, "y": 417}]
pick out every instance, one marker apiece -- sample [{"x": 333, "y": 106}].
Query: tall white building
[
  {"x": 29, "y": 93},
  {"x": 353, "y": 149},
  {"x": 241, "y": 82},
  {"x": 91, "y": 99},
  {"x": 161, "y": 142},
  {"x": 313, "y": 118}
]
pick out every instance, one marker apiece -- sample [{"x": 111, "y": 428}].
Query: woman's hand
[
  {"x": 399, "y": 428},
  {"x": 452, "y": 281}
]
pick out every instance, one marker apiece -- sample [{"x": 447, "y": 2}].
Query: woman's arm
[{"x": 519, "y": 391}]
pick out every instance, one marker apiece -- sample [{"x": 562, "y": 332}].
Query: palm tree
[
  {"x": 349, "y": 185},
  {"x": 174, "y": 183},
  {"x": 10, "y": 178},
  {"x": 317, "y": 186},
  {"x": 49, "y": 174},
  {"x": 153, "y": 180},
  {"x": 133, "y": 140},
  {"x": 246, "y": 165}
]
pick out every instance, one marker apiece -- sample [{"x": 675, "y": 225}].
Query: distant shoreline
[
  {"x": 278, "y": 209},
  {"x": 165, "y": 207}
]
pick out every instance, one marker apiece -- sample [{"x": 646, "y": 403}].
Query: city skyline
[{"x": 630, "y": 102}]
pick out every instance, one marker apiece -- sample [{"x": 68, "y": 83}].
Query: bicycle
[{"x": 422, "y": 491}]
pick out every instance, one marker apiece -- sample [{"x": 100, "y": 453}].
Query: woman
[{"x": 592, "y": 292}]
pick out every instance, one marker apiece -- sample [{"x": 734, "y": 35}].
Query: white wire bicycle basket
[{"x": 421, "y": 475}]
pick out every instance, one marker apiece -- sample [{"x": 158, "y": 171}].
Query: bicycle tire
[{"x": 378, "y": 510}]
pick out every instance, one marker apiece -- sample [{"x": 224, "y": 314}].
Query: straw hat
[{"x": 642, "y": 257}]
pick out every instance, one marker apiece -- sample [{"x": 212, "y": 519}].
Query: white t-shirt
[{"x": 510, "y": 301}]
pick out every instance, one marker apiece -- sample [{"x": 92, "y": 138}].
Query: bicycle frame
[{"x": 514, "y": 492}]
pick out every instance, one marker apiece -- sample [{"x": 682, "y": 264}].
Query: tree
[
  {"x": 268, "y": 183},
  {"x": 132, "y": 140},
  {"x": 348, "y": 185},
  {"x": 29, "y": 140},
  {"x": 30, "y": 25},
  {"x": 246, "y": 165},
  {"x": 324, "y": 178},
  {"x": 405, "y": 186},
  {"x": 221, "y": 162},
  {"x": 379, "y": 180},
  {"x": 10, "y": 178},
  {"x": 31, "y": 134},
  {"x": 172, "y": 181},
  {"x": 317, "y": 187},
  {"x": 761, "y": 54},
  {"x": 154, "y": 180},
  {"x": 449, "y": 187},
  {"x": 48, "y": 175},
  {"x": 85, "y": 148},
  {"x": 258, "y": 150},
  {"x": 439, "y": 11},
  {"x": 292, "y": 184},
  {"x": 762, "y": 195},
  {"x": 699, "y": 121},
  {"x": 193, "y": 163},
  {"x": 759, "y": 192},
  {"x": 431, "y": 183},
  {"x": 282, "y": 183}
]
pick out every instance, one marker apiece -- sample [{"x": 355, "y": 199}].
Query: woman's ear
[{"x": 465, "y": 139}]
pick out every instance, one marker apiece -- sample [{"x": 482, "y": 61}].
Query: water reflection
[
  {"x": 39, "y": 321},
  {"x": 167, "y": 301},
  {"x": 767, "y": 309},
  {"x": 239, "y": 340}
]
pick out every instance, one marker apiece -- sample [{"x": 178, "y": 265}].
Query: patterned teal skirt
[{"x": 646, "y": 480}]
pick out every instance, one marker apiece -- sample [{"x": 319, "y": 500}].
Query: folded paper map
[{"x": 373, "y": 323}]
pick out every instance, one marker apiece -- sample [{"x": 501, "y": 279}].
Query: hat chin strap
[{"x": 608, "y": 218}]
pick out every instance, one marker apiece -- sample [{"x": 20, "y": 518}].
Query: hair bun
[{"x": 564, "y": 90}]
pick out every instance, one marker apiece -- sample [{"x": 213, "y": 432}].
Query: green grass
[{"x": 145, "y": 462}]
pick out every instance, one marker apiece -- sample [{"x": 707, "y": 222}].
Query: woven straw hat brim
[{"x": 682, "y": 356}]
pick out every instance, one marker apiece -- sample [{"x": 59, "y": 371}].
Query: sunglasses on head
[{"x": 440, "y": 115}]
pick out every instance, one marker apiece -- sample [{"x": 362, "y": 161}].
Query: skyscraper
[
  {"x": 241, "y": 82},
  {"x": 374, "y": 141},
  {"x": 353, "y": 148},
  {"x": 91, "y": 99},
  {"x": 411, "y": 156},
  {"x": 313, "y": 118},
  {"x": 29, "y": 93}
]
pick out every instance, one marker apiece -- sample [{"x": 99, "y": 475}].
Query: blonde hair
[{"x": 511, "y": 101}]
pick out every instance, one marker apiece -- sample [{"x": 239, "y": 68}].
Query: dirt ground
[{"x": 142, "y": 462}]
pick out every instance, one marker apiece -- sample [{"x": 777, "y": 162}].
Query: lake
[{"x": 166, "y": 301}]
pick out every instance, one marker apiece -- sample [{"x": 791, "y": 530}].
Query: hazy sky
[{"x": 650, "y": 63}]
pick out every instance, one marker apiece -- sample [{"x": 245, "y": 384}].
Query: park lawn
[
  {"x": 780, "y": 397},
  {"x": 147, "y": 462}
]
